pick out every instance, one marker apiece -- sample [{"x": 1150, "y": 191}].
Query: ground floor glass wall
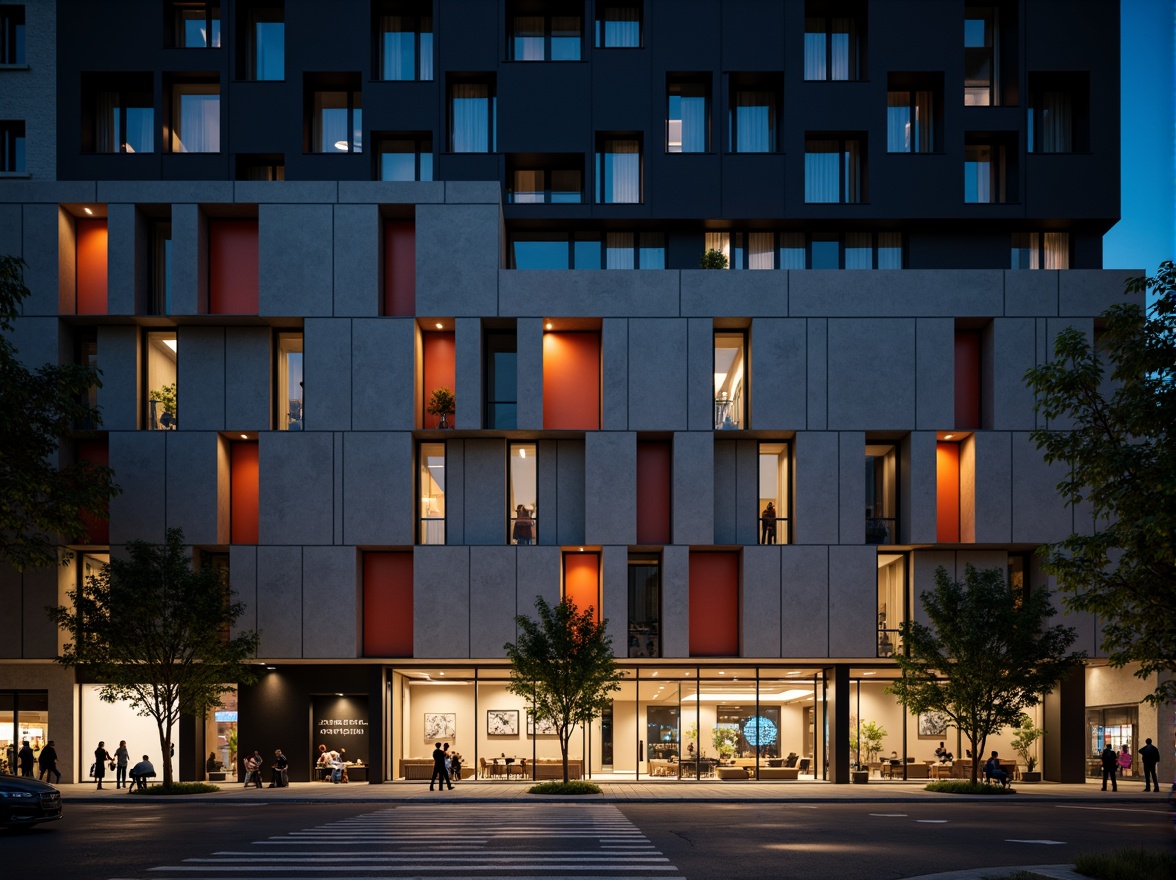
[{"x": 24, "y": 717}]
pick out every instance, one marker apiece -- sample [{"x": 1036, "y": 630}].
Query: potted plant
[
  {"x": 442, "y": 403},
  {"x": 1024, "y": 744},
  {"x": 165, "y": 412},
  {"x": 725, "y": 739},
  {"x": 712, "y": 259},
  {"x": 866, "y": 739}
]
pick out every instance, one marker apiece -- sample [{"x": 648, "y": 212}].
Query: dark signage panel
[{"x": 341, "y": 723}]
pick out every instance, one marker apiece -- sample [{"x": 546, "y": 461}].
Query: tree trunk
[{"x": 563, "y": 747}]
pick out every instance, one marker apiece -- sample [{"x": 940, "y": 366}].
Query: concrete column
[
  {"x": 837, "y": 701},
  {"x": 1063, "y": 750},
  {"x": 377, "y": 697}
]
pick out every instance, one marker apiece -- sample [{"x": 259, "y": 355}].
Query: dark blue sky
[{"x": 1147, "y": 233}]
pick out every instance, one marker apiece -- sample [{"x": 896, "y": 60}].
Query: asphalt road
[{"x": 491, "y": 841}]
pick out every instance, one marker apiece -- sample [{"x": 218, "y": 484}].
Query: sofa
[
  {"x": 416, "y": 768},
  {"x": 779, "y": 773},
  {"x": 728, "y": 772}
]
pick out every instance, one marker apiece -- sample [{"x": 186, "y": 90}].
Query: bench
[
  {"x": 779, "y": 773},
  {"x": 731, "y": 772}
]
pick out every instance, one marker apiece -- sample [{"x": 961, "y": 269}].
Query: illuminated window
[
  {"x": 523, "y": 508},
  {"x": 431, "y": 493},
  {"x": 405, "y": 34},
  {"x": 832, "y": 37},
  {"x": 289, "y": 382},
  {"x": 881, "y": 493},
  {"x": 644, "y": 605},
  {"x": 892, "y": 604},
  {"x": 195, "y": 118},
  {"x": 687, "y": 117},
  {"x": 774, "y": 493},
  {"x": 162, "y": 391},
  {"x": 197, "y": 25},
  {"x": 730, "y": 403},
  {"x": 981, "y": 55}
]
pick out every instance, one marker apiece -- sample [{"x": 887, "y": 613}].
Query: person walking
[
  {"x": 440, "y": 774},
  {"x": 25, "y": 756},
  {"x": 101, "y": 757},
  {"x": 47, "y": 761},
  {"x": 121, "y": 758},
  {"x": 278, "y": 774},
  {"x": 1110, "y": 764},
  {"x": 1150, "y": 756}
]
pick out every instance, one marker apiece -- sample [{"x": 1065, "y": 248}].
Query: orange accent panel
[
  {"x": 571, "y": 381},
  {"x": 232, "y": 267},
  {"x": 91, "y": 267},
  {"x": 399, "y": 267},
  {"x": 387, "y": 604},
  {"x": 244, "y": 486},
  {"x": 582, "y": 581},
  {"x": 97, "y": 527},
  {"x": 440, "y": 367},
  {"x": 967, "y": 379},
  {"x": 653, "y": 492},
  {"x": 714, "y": 604},
  {"x": 947, "y": 492}
]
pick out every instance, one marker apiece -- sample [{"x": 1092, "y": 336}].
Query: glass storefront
[
  {"x": 1114, "y": 726},
  {"x": 24, "y": 716}
]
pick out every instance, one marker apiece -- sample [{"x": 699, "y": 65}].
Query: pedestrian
[
  {"x": 1124, "y": 761},
  {"x": 1110, "y": 764},
  {"x": 278, "y": 774},
  {"x": 454, "y": 766},
  {"x": 121, "y": 758},
  {"x": 1150, "y": 756},
  {"x": 25, "y": 755},
  {"x": 101, "y": 758},
  {"x": 440, "y": 774},
  {"x": 139, "y": 774},
  {"x": 322, "y": 764},
  {"x": 253, "y": 769},
  {"x": 48, "y": 763},
  {"x": 993, "y": 770}
]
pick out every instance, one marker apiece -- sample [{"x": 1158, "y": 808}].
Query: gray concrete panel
[
  {"x": 548, "y": 489},
  {"x": 700, "y": 374},
  {"x": 579, "y": 293},
  {"x": 280, "y": 601},
  {"x": 121, "y": 261},
  {"x": 692, "y": 488},
  {"x": 1054, "y": 327},
  {"x": 804, "y": 601},
  {"x": 760, "y": 602},
  {"x": 570, "y": 502},
  {"x": 614, "y": 346},
  {"x": 378, "y": 502},
  {"x": 852, "y": 487},
  {"x": 871, "y": 373},
  {"x": 1029, "y": 293},
  {"x": 380, "y": 192},
  {"x": 337, "y": 497},
  {"x": 914, "y": 293},
  {"x": 189, "y": 281},
  {"x": 248, "y": 378},
  {"x": 11, "y": 230},
  {"x": 138, "y": 461},
  {"x": 330, "y": 582},
  {"x": 492, "y": 599},
  {"x": 455, "y": 499},
  {"x": 1039, "y": 513},
  {"x": 614, "y": 564},
  {"x": 746, "y": 488},
  {"x": 1014, "y": 349},
  {"x": 255, "y": 192},
  {"x": 485, "y": 492},
  {"x": 934, "y": 373},
  {"x": 919, "y": 480},
  {"x": 200, "y": 378},
  {"x": 37, "y": 341},
  {"x": 538, "y": 574},
  {"x": 45, "y": 257},
  {"x": 165, "y": 192},
  {"x": 610, "y": 468},
  {"x": 467, "y": 285},
  {"x": 296, "y": 260},
  {"x": 817, "y": 391},
  {"x": 815, "y": 519},
  {"x": 982, "y": 560},
  {"x": 472, "y": 192},
  {"x": 243, "y": 583},
  {"x": 441, "y": 610},
  {"x": 1090, "y": 292},
  {"x": 38, "y": 632},
  {"x": 296, "y": 503},
  {"x": 11, "y": 625},
  {"x": 529, "y": 366},
  {"x": 707, "y": 293},
  {"x": 382, "y": 364},
  {"x": 192, "y": 485},
  {"x": 726, "y": 480},
  {"x": 779, "y": 374},
  {"x": 924, "y": 564},
  {"x": 468, "y": 366},
  {"x": 994, "y": 488},
  {"x": 657, "y": 362},
  {"x": 326, "y": 362},
  {"x": 357, "y": 267},
  {"x": 853, "y": 601},
  {"x": 675, "y": 602}
]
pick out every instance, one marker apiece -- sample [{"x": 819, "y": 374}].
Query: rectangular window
[
  {"x": 687, "y": 117},
  {"x": 161, "y": 268},
  {"x": 775, "y": 490},
  {"x": 405, "y": 35},
  {"x": 160, "y": 356},
  {"x": 968, "y": 373},
  {"x": 751, "y": 120},
  {"x": 618, "y": 170},
  {"x": 336, "y": 122},
  {"x": 985, "y": 174},
  {"x": 833, "y": 170},
  {"x": 632, "y": 250},
  {"x": 195, "y": 118},
  {"x": 1019, "y": 576},
  {"x": 1059, "y": 113},
  {"x": 910, "y": 121},
  {"x": 832, "y": 35},
  {"x": 197, "y": 24},
  {"x": 881, "y": 493},
  {"x": 407, "y": 156},
  {"x": 265, "y": 43},
  {"x": 1036, "y": 250},
  {"x": 86, "y": 355},
  {"x": 793, "y": 251},
  {"x": 12, "y": 34},
  {"x": 981, "y": 56},
  {"x": 644, "y": 605},
  {"x": 892, "y": 604},
  {"x": 12, "y": 146},
  {"x": 553, "y": 179},
  {"x": 541, "y": 250},
  {"x": 472, "y": 113},
  {"x": 618, "y": 25},
  {"x": 523, "y": 509},
  {"x": 261, "y": 166},
  {"x": 730, "y": 360},
  {"x": 553, "y": 34},
  {"x": 118, "y": 113},
  {"x": 289, "y": 397},
  {"x": 431, "y": 493},
  {"x": 501, "y": 374}
]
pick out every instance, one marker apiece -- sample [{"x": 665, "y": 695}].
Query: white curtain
[
  {"x": 528, "y": 38},
  {"x": 330, "y": 122},
  {"x": 822, "y": 171},
  {"x": 721, "y": 242},
  {"x": 1057, "y": 250},
  {"x": 792, "y": 250},
  {"x": 694, "y": 124},
  {"x": 858, "y": 252},
  {"x": 198, "y": 130},
  {"x": 1056, "y": 121},
  {"x": 140, "y": 137},
  {"x": 652, "y": 251},
  {"x": 528, "y": 187},
  {"x": 843, "y": 63},
  {"x": 621, "y": 172},
  {"x": 898, "y": 122},
  {"x": 619, "y": 250},
  {"x": 1025, "y": 250},
  {"x": 889, "y": 250},
  {"x": 470, "y": 118},
  {"x": 978, "y": 174},
  {"x": 760, "y": 252},
  {"x": 814, "y": 49},
  {"x": 399, "y": 48},
  {"x": 754, "y": 122},
  {"x": 427, "y": 48},
  {"x": 622, "y": 27},
  {"x": 106, "y": 133}
]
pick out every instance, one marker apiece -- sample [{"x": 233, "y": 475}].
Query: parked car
[{"x": 25, "y": 801}]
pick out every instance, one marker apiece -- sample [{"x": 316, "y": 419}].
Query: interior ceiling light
[
  {"x": 948, "y": 436},
  {"x": 547, "y": 325},
  {"x": 439, "y": 326},
  {"x": 88, "y": 211},
  {"x": 170, "y": 343},
  {"x": 244, "y": 436}
]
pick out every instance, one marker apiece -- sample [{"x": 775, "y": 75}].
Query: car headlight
[{"x": 17, "y": 794}]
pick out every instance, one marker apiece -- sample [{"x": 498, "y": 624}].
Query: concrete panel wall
[
  {"x": 189, "y": 282},
  {"x": 914, "y": 292},
  {"x": 614, "y": 564},
  {"x": 657, "y": 362},
  {"x": 296, "y": 260},
  {"x": 760, "y": 607},
  {"x": 707, "y": 293},
  {"x": 485, "y": 492},
  {"x": 851, "y": 487},
  {"x": 700, "y": 374},
  {"x": 468, "y": 363},
  {"x": 746, "y": 488},
  {"x": 1014, "y": 352},
  {"x": 280, "y": 601},
  {"x": 200, "y": 378},
  {"x": 243, "y": 583},
  {"x": 726, "y": 484},
  {"x": 871, "y": 373},
  {"x": 529, "y": 363},
  {"x": 455, "y": 492},
  {"x": 493, "y": 603},
  {"x": 804, "y": 601},
  {"x": 816, "y": 519},
  {"x": 570, "y": 502},
  {"x": 918, "y": 477},
  {"x": 676, "y": 601},
  {"x": 356, "y": 264},
  {"x": 121, "y": 263},
  {"x": 192, "y": 485},
  {"x": 441, "y": 611},
  {"x": 47, "y": 260},
  {"x": 614, "y": 349},
  {"x": 610, "y": 468},
  {"x": 538, "y": 574},
  {"x": 331, "y": 625},
  {"x": 993, "y": 463},
  {"x": 692, "y": 488},
  {"x": 297, "y": 492},
  {"x": 779, "y": 374},
  {"x": 382, "y": 367},
  {"x": 378, "y": 502},
  {"x": 853, "y": 615},
  {"x": 817, "y": 401},
  {"x": 327, "y": 369},
  {"x": 248, "y": 378},
  {"x": 139, "y": 464},
  {"x": 457, "y": 257},
  {"x": 580, "y": 294},
  {"x": 1039, "y": 514},
  {"x": 934, "y": 373},
  {"x": 38, "y": 634},
  {"x": 118, "y": 358}
]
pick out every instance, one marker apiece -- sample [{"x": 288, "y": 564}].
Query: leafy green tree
[
  {"x": 42, "y": 505},
  {"x": 986, "y": 656},
  {"x": 564, "y": 664},
  {"x": 1027, "y": 736},
  {"x": 712, "y": 259},
  {"x": 1118, "y": 445},
  {"x": 157, "y": 632}
]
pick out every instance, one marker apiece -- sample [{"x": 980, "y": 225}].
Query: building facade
[{"x": 278, "y": 229}]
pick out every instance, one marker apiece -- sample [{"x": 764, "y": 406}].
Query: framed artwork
[
  {"x": 440, "y": 725},
  {"x": 932, "y": 724},
  {"x": 502, "y": 722},
  {"x": 541, "y": 728}
]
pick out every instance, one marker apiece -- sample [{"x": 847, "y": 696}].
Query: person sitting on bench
[
  {"x": 139, "y": 774},
  {"x": 994, "y": 771}
]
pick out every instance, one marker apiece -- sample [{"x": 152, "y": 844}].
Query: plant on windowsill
[
  {"x": 166, "y": 398},
  {"x": 442, "y": 403},
  {"x": 712, "y": 259},
  {"x": 1024, "y": 744}
]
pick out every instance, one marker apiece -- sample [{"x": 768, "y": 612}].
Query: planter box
[
  {"x": 860, "y": 777},
  {"x": 1026, "y": 776}
]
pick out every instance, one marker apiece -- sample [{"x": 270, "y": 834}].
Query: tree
[
  {"x": 1023, "y": 743},
  {"x": 564, "y": 664},
  {"x": 156, "y": 631},
  {"x": 986, "y": 655},
  {"x": 1117, "y": 442},
  {"x": 41, "y": 503}
]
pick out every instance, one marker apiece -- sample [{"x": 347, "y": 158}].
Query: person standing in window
[
  {"x": 768, "y": 524},
  {"x": 524, "y": 527}
]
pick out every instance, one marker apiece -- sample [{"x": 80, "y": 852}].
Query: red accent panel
[
  {"x": 95, "y": 452},
  {"x": 244, "y": 486},
  {"x": 91, "y": 267},
  {"x": 232, "y": 267},
  {"x": 440, "y": 367},
  {"x": 582, "y": 581},
  {"x": 967, "y": 379},
  {"x": 714, "y": 604},
  {"x": 571, "y": 381},
  {"x": 947, "y": 492},
  {"x": 653, "y": 492},
  {"x": 387, "y": 604},
  {"x": 399, "y": 267}
]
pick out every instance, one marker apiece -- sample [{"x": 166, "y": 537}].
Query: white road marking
[
  {"x": 1042, "y": 842},
  {"x": 890, "y": 815},
  {"x": 1163, "y": 810},
  {"x": 932, "y": 821}
]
